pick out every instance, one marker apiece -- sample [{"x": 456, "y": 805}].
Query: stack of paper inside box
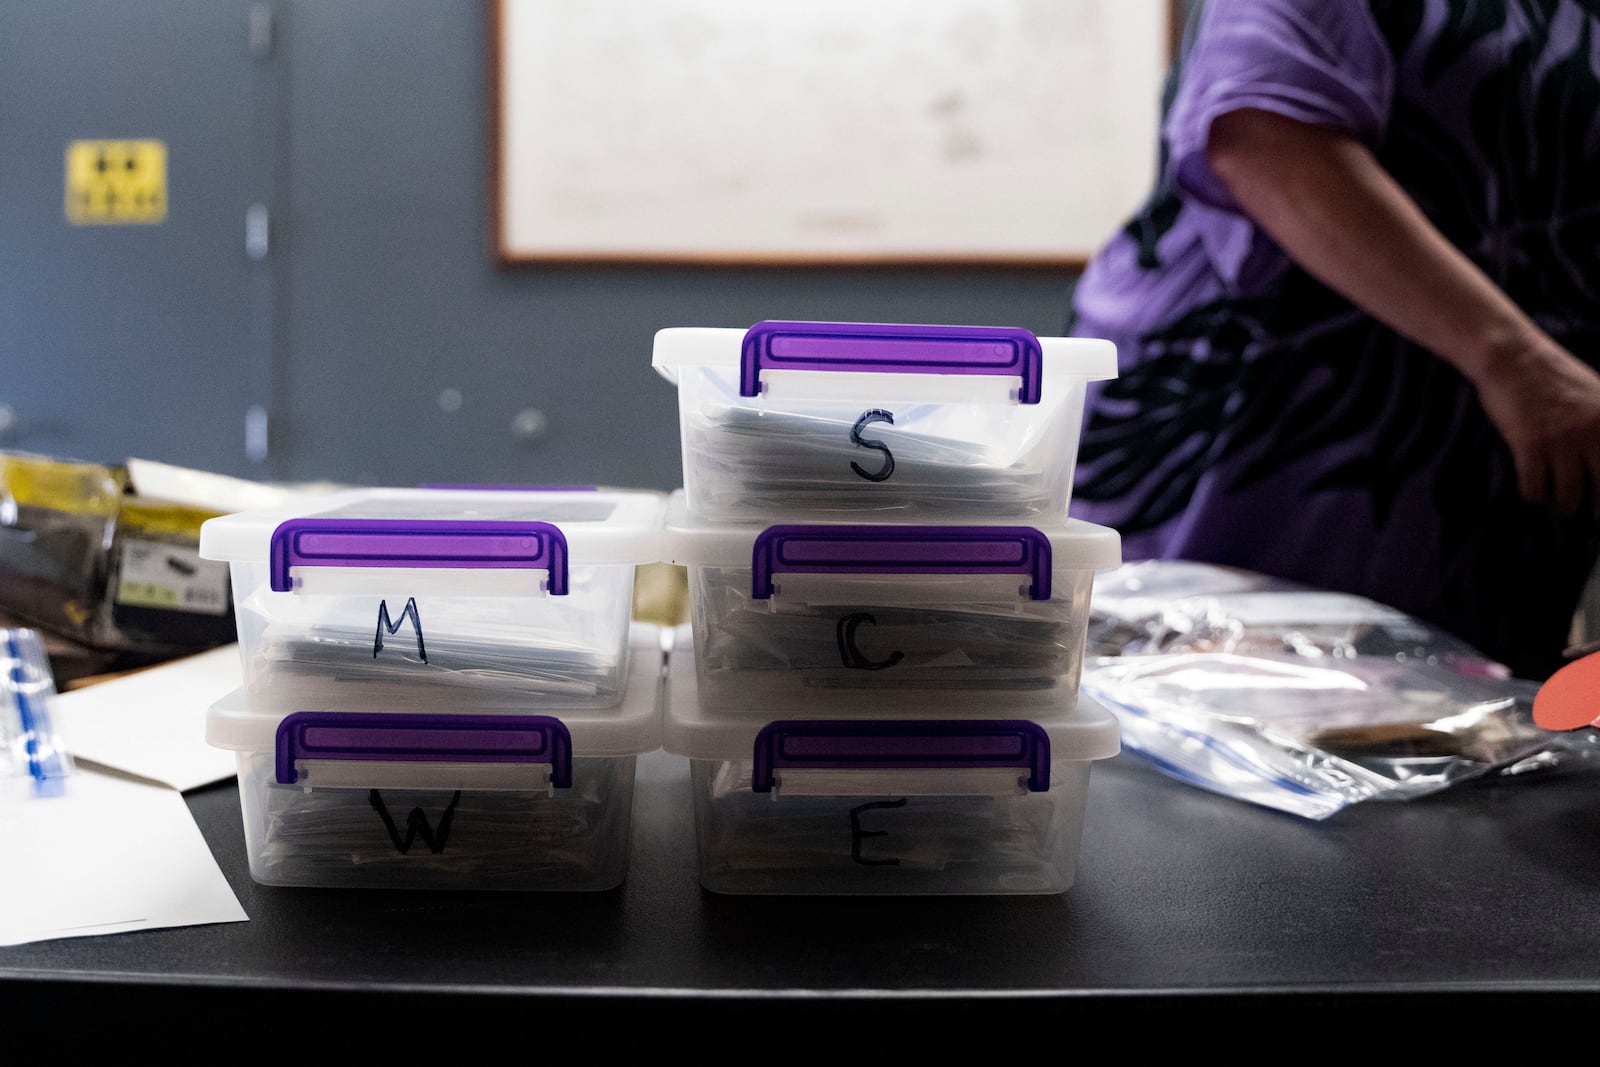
[{"x": 888, "y": 606}]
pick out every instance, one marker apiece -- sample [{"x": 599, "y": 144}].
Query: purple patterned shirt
[{"x": 1262, "y": 421}]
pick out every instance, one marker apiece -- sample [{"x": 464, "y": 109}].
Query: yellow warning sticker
[{"x": 116, "y": 182}]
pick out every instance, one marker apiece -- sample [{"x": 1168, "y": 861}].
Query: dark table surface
[{"x": 1489, "y": 892}]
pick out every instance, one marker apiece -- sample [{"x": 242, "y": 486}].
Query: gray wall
[
  {"x": 366, "y": 131},
  {"x": 144, "y": 340}
]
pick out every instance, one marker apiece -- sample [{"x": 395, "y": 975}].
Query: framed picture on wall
[{"x": 1000, "y": 132}]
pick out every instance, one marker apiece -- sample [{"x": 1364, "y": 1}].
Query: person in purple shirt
[{"x": 1355, "y": 317}]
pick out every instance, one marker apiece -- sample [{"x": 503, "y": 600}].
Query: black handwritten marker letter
[
  {"x": 392, "y": 627},
  {"x": 849, "y": 654},
  {"x": 857, "y": 834},
  {"x": 416, "y": 825},
  {"x": 868, "y": 417}
]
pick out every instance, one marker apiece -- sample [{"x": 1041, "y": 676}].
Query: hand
[{"x": 1546, "y": 404}]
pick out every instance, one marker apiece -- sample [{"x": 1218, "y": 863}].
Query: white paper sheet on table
[
  {"x": 153, "y": 723},
  {"x": 109, "y": 856}
]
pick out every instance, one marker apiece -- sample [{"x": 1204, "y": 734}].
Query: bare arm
[{"x": 1331, "y": 206}]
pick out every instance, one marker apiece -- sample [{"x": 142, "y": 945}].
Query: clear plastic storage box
[
  {"x": 358, "y": 598},
  {"x": 422, "y": 795},
  {"x": 853, "y": 420},
  {"x": 969, "y": 796},
  {"x": 880, "y": 615}
]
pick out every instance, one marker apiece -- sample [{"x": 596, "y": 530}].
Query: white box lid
[
  {"x": 851, "y": 348},
  {"x": 599, "y": 526},
  {"x": 1073, "y": 543},
  {"x": 237, "y": 723},
  {"x": 1078, "y": 730}
]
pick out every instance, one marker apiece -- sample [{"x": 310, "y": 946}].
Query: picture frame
[{"x": 821, "y": 132}]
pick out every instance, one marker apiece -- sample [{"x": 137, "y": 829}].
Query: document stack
[
  {"x": 442, "y": 688},
  {"x": 878, "y": 691}
]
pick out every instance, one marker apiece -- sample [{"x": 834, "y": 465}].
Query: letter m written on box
[{"x": 385, "y": 625}]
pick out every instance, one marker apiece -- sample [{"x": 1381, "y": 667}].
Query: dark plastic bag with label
[{"x": 85, "y": 557}]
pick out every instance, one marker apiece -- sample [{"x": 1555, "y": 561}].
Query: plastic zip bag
[
  {"x": 1311, "y": 738},
  {"x": 1296, "y": 699},
  {"x": 1179, "y": 606}
]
